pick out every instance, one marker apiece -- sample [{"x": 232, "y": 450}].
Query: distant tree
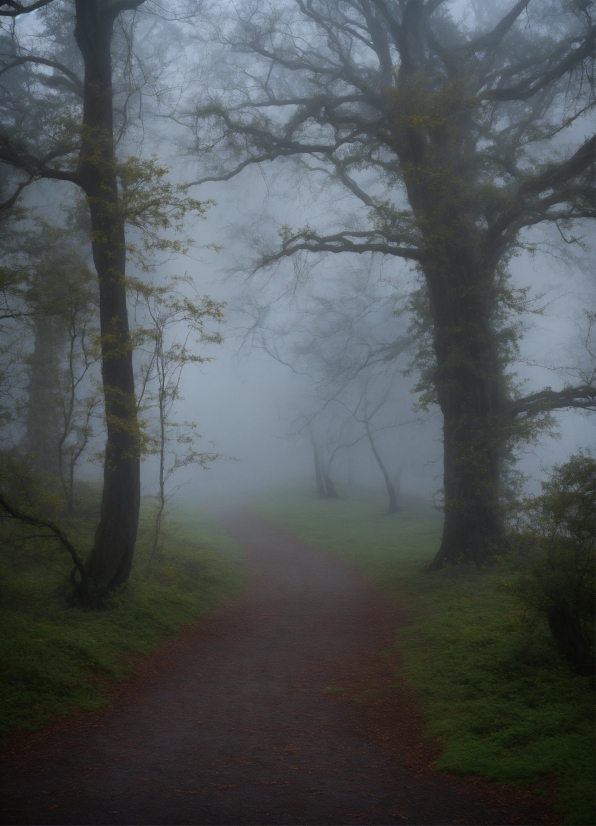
[
  {"x": 349, "y": 345},
  {"x": 59, "y": 293},
  {"x": 458, "y": 129}
]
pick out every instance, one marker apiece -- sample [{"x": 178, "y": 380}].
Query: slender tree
[
  {"x": 458, "y": 133},
  {"x": 175, "y": 318},
  {"x": 95, "y": 174},
  {"x": 77, "y": 145}
]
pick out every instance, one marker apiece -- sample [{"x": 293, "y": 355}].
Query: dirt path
[{"x": 275, "y": 709}]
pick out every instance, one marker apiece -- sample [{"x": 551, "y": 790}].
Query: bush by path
[{"x": 496, "y": 693}]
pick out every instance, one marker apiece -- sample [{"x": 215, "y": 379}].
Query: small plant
[{"x": 558, "y": 540}]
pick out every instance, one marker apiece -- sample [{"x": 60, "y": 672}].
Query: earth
[{"x": 284, "y": 706}]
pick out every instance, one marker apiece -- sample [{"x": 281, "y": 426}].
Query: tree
[
  {"x": 75, "y": 143},
  {"x": 92, "y": 167},
  {"x": 458, "y": 130},
  {"x": 349, "y": 345},
  {"x": 175, "y": 315},
  {"x": 58, "y": 294}
]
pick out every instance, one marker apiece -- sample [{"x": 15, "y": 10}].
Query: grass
[
  {"x": 494, "y": 690},
  {"x": 56, "y": 658}
]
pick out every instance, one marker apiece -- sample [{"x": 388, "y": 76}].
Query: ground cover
[
  {"x": 494, "y": 690},
  {"x": 56, "y": 657}
]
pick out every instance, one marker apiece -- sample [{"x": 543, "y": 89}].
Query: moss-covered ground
[{"x": 55, "y": 657}]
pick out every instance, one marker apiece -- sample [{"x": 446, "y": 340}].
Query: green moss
[
  {"x": 56, "y": 658},
  {"x": 494, "y": 690}
]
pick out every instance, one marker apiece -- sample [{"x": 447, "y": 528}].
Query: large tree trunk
[
  {"x": 469, "y": 382},
  {"x": 460, "y": 271},
  {"x": 111, "y": 557}
]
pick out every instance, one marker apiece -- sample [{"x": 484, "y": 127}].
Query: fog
[
  {"x": 247, "y": 405},
  {"x": 245, "y": 401}
]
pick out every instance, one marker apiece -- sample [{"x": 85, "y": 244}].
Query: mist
[{"x": 297, "y": 396}]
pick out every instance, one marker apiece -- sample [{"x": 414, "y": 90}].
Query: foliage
[
  {"x": 558, "y": 582},
  {"x": 156, "y": 207},
  {"x": 500, "y": 701},
  {"x": 175, "y": 318}
]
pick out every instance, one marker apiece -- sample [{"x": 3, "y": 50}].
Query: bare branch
[
  {"x": 558, "y": 174},
  {"x": 10, "y": 202},
  {"x": 580, "y": 398},
  {"x": 36, "y": 168},
  {"x": 77, "y": 83},
  {"x": 15, "y": 9},
  {"x": 492, "y": 39},
  {"x": 528, "y": 87},
  {"x": 341, "y": 242},
  {"x": 37, "y": 522}
]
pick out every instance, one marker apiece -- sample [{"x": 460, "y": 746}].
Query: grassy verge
[
  {"x": 494, "y": 690},
  {"x": 56, "y": 658}
]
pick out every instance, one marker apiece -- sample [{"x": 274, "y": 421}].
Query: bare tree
[{"x": 174, "y": 317}]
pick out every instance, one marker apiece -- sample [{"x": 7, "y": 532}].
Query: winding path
[{"x": 281, "y": 707}]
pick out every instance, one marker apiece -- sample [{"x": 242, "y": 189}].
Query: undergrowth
[
  {"x": 56, "y": 657},
  {"x": 496, "y": 693}
]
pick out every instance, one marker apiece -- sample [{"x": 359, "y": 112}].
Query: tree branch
[
  {"x": 494, "y": 37},
  {"x": 528, "y": 87},
  {"x": 10, "y": 202},
  {"x": 35, "y": 167},
  {"x": 340, "y": 242},
  {"x": 15, "y": 8},
  {"x": 77, "y": 83},
  {"x": 581, "y": 398},
  {"x": 36, "y": 522},
  {"x": 557, "y": 174},
  {"x": 118, "y": 6}
]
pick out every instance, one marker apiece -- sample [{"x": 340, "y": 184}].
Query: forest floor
[{"x": 282, "y": 706}]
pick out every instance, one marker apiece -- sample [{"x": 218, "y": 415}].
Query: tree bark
[
  {"x": 470, "y": 387},
  {"x": 110, "y": 560},
  {"x": 460, "y": 269}
]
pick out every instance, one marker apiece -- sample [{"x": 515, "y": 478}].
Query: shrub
[{"x": 558, "y": 580}]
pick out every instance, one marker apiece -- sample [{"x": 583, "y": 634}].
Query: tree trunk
[
  {"x": 321, "y": 492},
  {"x": 469, "y": 382},
  {"x": 43, "y": 426},
  {"x": 397, "y": 476},
  {"x": 161, "y": 494},
  {"x": 330, "y": 490},
  {"x": 460, "y": 269},
  {"x": 388, "y": 484},
  {"x": 110, "y": 560}
]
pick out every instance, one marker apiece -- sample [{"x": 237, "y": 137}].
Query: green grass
[
  {"x": 494, "y": 690},
  {"x": 55, "y": 658}
]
